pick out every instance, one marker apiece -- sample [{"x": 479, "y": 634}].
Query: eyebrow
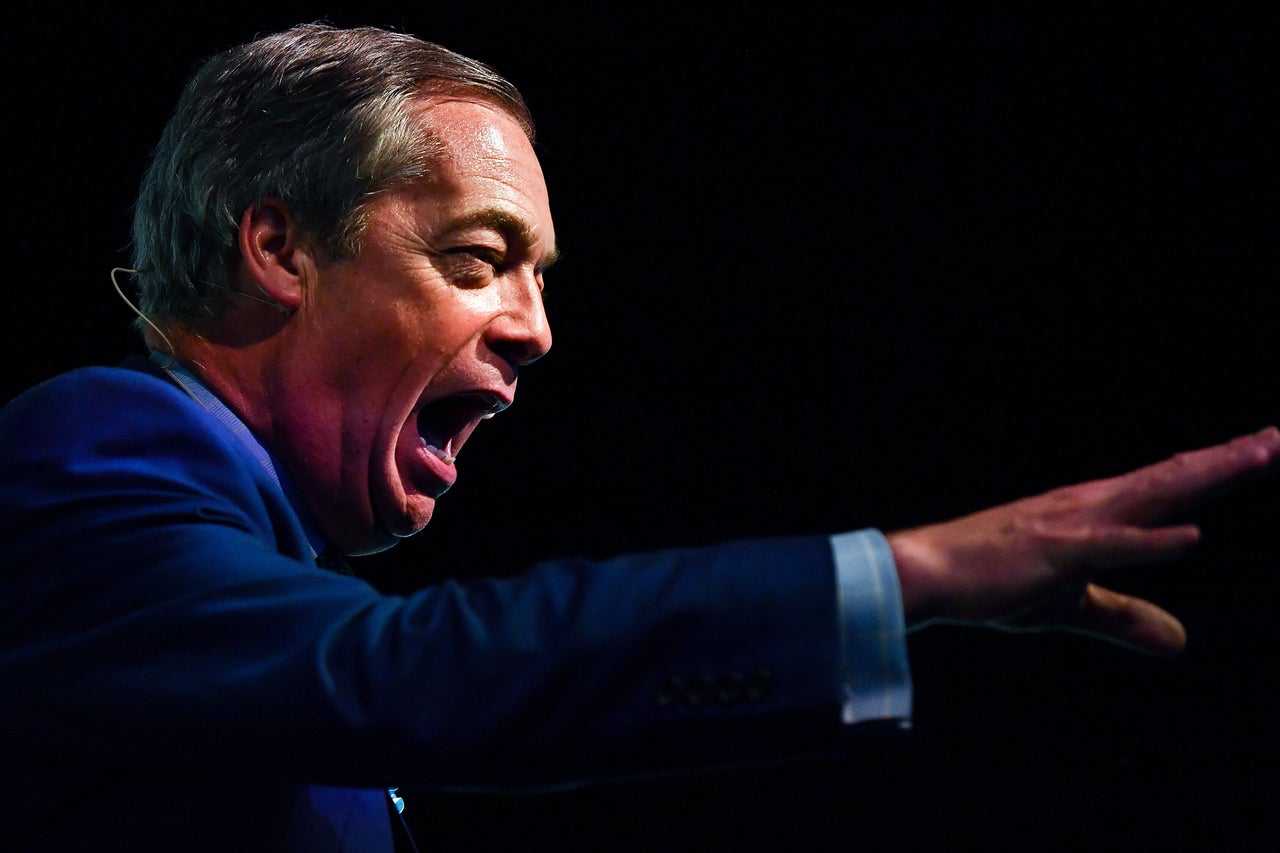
[{"x": 509, "y": 226}]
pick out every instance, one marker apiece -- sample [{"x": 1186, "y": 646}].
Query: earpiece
[
  {"x": 276, "y": 305},
  {"x": 138, "y": 311}
]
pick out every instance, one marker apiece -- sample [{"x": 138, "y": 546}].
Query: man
[{"x": 340, "y": 249}]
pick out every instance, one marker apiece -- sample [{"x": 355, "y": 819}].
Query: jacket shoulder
[{"x": 97, "y": 440}]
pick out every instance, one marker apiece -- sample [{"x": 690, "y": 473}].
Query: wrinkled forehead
[
  {"x": 485, "y": 160},
  {"x": 475, "y": 121}
]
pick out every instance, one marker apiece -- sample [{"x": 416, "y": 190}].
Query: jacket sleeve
[{"x": 156, "y": 600}]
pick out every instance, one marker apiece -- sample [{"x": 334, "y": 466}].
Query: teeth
[{"x": 446, "y": 456}]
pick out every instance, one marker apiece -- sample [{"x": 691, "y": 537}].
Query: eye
[
  {"x": 485, "y": 255},
  {"x": 472, "y": 265}
]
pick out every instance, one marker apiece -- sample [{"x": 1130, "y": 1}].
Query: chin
[
  {"x": 375, "y": 542},
  {"x": 404, "y": 524},
  {"x": 377, "y": 547},
  {"x": 361, "y": 540}
]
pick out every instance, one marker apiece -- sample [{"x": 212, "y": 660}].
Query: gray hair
[{"x": 316, "y": 116}]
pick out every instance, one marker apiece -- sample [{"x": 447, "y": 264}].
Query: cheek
[
  {"x": 366, "y": 347},
  {"x": 384, "y": 354},
  {"x": 444, "y": 328}
]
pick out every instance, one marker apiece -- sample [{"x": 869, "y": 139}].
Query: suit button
[
  {"x": 759, "y": 685},
  {"x": 670, "y": 692},
  {"x": 701, "y": 691},
  {"x": 730, "y": 688}
]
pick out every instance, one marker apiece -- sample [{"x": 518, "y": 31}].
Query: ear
[{"x": 274, "y": 257}]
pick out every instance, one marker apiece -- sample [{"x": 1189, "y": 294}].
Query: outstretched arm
[{"x": 1029, "y": 564}]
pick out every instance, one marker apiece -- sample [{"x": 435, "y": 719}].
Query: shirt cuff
[{"x": 875, "y": 676}]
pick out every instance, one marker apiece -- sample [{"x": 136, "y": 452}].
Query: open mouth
[{"x": 444, "y": 425}]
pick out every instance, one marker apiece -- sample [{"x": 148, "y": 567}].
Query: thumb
[{"x": 1132, "y": 622}]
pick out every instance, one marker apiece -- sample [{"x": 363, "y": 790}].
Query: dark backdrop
[{"x": 819, "y": 273}]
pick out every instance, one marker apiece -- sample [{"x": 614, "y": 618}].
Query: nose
[{"x": 522, "y": 333}]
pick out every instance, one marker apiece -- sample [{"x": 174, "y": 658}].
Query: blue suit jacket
[{"x": 176, "y": 673}]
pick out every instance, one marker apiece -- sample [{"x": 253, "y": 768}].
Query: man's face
[{"x": 396, "y": 356}]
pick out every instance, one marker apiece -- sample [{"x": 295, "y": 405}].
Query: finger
[
  {"x": 1108, "y": 547},
  {"x": 1187, "y": 479},
  {"x": 1128, "y": 621}
]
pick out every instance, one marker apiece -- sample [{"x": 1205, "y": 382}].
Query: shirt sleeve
[{"x": 875, "y": 675}]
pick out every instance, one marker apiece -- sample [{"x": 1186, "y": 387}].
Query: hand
[{"x": 1028, "y": 565}]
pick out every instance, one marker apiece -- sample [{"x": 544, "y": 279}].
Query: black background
[{"x": 819, "y": 272}]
